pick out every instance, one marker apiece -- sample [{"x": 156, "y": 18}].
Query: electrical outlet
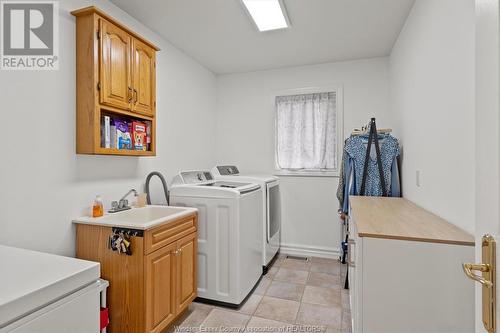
[{"x": 418, "y": 178}]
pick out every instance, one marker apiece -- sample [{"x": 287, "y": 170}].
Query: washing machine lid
[
  {"x": 201, "y": 183},
  {"x": 236, "y": 186},
  {"x": 211, "y": 191},
  {"x": 31, "y": 280}
]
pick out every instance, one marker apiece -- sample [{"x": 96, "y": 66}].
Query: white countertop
[
  {"x": 31, "y": 279},
  {"x": 139, "y": 218}
]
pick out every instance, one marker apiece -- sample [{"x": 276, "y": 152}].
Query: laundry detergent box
[
  {"x": 123, "y": 137},
  {"x": 139, "y": 135}
]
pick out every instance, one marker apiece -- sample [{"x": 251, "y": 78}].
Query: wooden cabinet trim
[
  {"x": 87, "y": 75},
  {"x": 94, "y": 10}
]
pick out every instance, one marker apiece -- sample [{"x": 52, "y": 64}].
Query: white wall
[
  {"x": 45, "y": 184},
  {"x": 245, "y": 137},
  {"x": 432, "y": 101}
]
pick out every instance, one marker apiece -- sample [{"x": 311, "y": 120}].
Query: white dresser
[{"x": 405, "y": 273}]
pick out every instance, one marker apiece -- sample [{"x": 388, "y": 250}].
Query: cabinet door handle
[
  {"x": 129, "y": 94},
  {"x": 135, "y": 96},
  {"x": 349, "y": 252}
]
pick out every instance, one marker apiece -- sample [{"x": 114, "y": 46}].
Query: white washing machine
[
  {"x": 229, "y": 234},
  {"x": 271, "y": 217}
]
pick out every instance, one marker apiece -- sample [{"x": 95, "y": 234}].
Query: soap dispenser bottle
[{"x": 97, "y": 208}]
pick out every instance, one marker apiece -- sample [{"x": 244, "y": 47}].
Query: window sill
[{"x": 289, "y": 173}]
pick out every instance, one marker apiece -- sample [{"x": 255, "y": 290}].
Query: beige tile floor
[{"x": 295, "y": 296}]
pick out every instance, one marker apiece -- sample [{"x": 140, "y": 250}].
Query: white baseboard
[{"x": 310, "y": 251}]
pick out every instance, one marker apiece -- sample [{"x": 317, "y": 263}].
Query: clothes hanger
[{"x": 365, "y": 131}]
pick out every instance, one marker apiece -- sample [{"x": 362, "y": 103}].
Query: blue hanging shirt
[{"x": 355, "y": 148}]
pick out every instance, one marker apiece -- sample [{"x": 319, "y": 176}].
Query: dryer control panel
[{"x": 228, "y": 170}]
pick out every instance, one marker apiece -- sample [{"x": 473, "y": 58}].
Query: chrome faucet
[{"x": 122, "y": 204}]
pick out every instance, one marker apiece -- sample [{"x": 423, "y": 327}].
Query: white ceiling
[{"x": 220, "y": 35}]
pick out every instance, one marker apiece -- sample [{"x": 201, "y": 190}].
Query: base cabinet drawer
[{"x": 162, "y": 235}]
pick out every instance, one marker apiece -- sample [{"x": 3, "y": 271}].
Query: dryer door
[{"x": 273, "y": 213}]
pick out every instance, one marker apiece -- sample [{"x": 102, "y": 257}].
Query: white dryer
[
  {"x": 271, "y": 202},
  {"x": 229, "y": 234}
]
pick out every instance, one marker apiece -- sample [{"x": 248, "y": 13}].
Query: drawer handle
[{"x": 350, "y": 242}]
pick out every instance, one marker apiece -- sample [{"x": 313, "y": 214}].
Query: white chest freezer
[{"x": 45, "y": 293}]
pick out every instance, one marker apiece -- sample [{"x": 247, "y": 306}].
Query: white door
[{"x": 487, "y": 139}]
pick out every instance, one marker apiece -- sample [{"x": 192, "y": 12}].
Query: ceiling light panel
[{"x": 267, "y": 14}]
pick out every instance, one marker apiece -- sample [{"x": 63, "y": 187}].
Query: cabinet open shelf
[
  {"x": 129, "y": 117},
  {"x": 116, "y": 77}
]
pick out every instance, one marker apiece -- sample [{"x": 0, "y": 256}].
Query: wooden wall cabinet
[
  {"x": 116, "y": 76},
  {"x": 151, "y": 288}
]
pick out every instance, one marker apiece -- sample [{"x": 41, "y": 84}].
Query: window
[{"x": 308, "y": 131}]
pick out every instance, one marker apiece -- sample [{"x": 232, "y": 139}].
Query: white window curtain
[{"x": 306, "y": 127}]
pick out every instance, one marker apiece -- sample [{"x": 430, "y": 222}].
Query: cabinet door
[
  {"x": 114, "y": 64},
  {"x": 186, "y": 271},
  {"x": 160, "y": 288},
  {"x": 144, "y": 78}
]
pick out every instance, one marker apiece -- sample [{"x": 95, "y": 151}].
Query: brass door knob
[
  {"x": 468, "y": 268},
  {"x": 487, "y": 279}
]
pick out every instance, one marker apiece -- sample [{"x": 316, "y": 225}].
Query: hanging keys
[{"x": 120, "y": 242}]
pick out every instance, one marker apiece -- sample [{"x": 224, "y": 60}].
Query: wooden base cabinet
[{"x": 152, "y": 287}]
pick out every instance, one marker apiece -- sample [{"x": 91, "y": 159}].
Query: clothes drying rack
[
  {"x": 373, "y": 137},
  {"x": 371, "y": 130}
]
